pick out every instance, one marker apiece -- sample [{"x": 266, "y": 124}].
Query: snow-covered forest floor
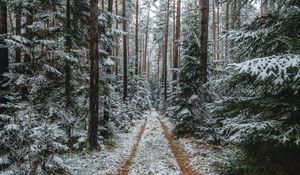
[{"x": 153, "y": 154}]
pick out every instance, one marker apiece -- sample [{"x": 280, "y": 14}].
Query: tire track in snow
[
  {"x": 126, "y": 166},
  {"x": 154, "y": 155},
  {"x": 181, "y": 158}
]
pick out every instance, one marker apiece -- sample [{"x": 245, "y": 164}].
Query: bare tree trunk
[
  {"x": 165, "y": 51},
  {"x": 218, "y": 31},
  {"x": 3, "y": 50},
  {"x": 178, "y": 31},
  {"x": 68, "y": 46},
  {"x": 18, "y": 32},
  {"x": 226, "y": 28},
  {"x": 106, "y": 116},
  {"x": 144, "y": 57},
  {"x": 173, "y": 45},
  {"x": 117, "y": 39},
  {"x": 125, "y": 76},
  {"x": 239, "y": 14},
  {"x": 137, "y": 38},
  {"x": 233, "y": 14},
  {"x": 146, "y": 41},
  {"x": 29, "y": 21},
  {"x": 204, "y": 41},
  {"x": 214, "y": 31},
  {"x": 94, "y": 76}
]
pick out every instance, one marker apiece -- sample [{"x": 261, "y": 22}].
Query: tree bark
[
  {"x": 29, "y": 35},
  {"x": 214, "y": 31},
  {"x": 146, "y": 44},
  {"x": 94, "y": 76},
  {"x": 226, "y": 28},
  {"x": 3, "y": 50},
  {"x": 204, "y": 41},
  {"x": 125, "y": 76},
  {"x": 177, "y": 37},
  {"x": 106, "y": 115},
  {"x": 239, "y": 15},
  {"x": 218, "y": 31},
  {"x": 68, "y": 77},
  {"x": 233, "y": 14},
  {"x": 18, "y": 32},
  {"x": 117, "y": 39},
  {"x": 137, "y": 38},
  {"x": 165, "y": 51}
]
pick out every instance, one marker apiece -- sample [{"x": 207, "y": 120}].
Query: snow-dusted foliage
[{"x": 257, "y": 103}]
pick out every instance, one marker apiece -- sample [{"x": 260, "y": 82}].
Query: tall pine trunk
[
  {"x": 233, "y": 14},
  {"x": 125, "y": 71},
  {"x": 146, "y": 44},
  {"x": 29, "y": 35},
  {"x": 218, "y": 32},
  {"x": 165, "y": 51},
  {"x": 68, "y": 46},
  {"x": 18, "y": 32},
  {"x": 94, "y": 75},
  {"x": 117, "y": 38},
  {"x": 226, "y": 28},
  {"x": 177, "y": 37},
  {"x": 214, "y": 32},
  {"x": 204, "y": 41},
  {"x": 137, "y": 38},
  {"x": 108, "y": 73},
  {"x": 3, "y": 50}
]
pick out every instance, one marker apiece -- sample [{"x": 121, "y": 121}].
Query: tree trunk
[
  {"x": 117, "y": 39},
  {"x": 173, "y": 45},
  {"x": 214, "y": 31},
  {"x": 233, "y": 14},
  {"x": 165, "y": 51},
  {"x": 3, "y": 50},
  {"x": 204, "y": 41},
  {"x": 68, "y": 77},
  {"x": 94, "y": 76},
  {"x": 239, "y": 15},
  {"x": 18, "y": 32},
  {"x": 125, "y": 76},
  {"x": 177, "y": 36},
  {"x": 226, "y": 28},
  {"x": 146, "y": 43},
  {"x": 29, "y": 35},
  {"x": 108, "y": 73},
  {"x": 218, "y": 31},
  {"x": 137, "y": 38}
]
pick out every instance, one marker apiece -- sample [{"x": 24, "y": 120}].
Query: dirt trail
[
  {"x": 155, "y": 152},
  {"x": 181, "y": 157},
  {"x": 126, "y": 167}
]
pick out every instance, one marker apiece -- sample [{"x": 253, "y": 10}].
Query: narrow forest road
[{"x": 155, "y": 152}]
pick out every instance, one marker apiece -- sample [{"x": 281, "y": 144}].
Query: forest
[{"x": 149, "y": 87}]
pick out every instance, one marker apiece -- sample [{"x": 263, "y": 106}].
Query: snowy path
[
  {"x": 155, "y": 152},
  {"x": 154, "y": 155}
]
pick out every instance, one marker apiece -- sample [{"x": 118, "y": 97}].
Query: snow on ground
[
  {"x": 204, "y": 158},
  {"x": 106, "y": 161},
  {"x": 154, "y": 156}
]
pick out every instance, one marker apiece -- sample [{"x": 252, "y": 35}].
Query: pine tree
[
  {"x": 94, "y": 76},
  {"x": 3, "y": 49}
]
